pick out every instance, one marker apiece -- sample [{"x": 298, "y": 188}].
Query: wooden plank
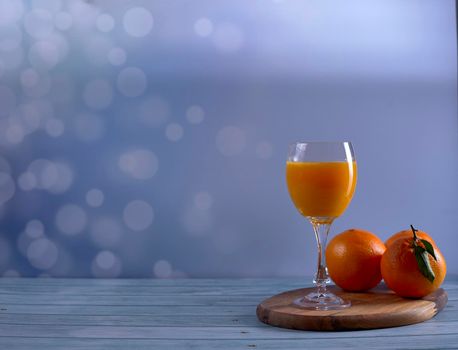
[
  {"x": 217, "y": 301},
  {"x": 170, "y": 319},
  {"x": 39, "y": 289},
  {"x": 151, "y": 320},
  {"x": 252, "y": 333},
  {"x": 160, "y": 287},
  {"x": 185, "y": 282},
  {"x": 114, "y": 299},
  {"x": 191, "y": 313},
  {"x": 331, "y": 341},
  {"x": 141, "y": 290},
  {"x": 145, "y": 300},
  {"x": 179, "y": 283},
  {"x": 133, "y": 310}
]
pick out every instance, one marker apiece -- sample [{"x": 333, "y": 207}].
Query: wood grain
[
  {"x": 178, "y": 314},
  {"x": 378, "y": 308}
]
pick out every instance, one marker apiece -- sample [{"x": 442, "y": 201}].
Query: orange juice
[{"x": 321, "y": 189}]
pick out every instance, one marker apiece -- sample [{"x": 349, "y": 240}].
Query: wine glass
[{"x": 321, "y": 179}]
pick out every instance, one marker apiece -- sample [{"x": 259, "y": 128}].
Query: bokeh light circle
[
  {"x": 105, "y": 23},
  {"x": 95, "y": 197},
  {"x": 117, "y": 56},
  {"x": 174, "y": 132},
  {"x": 230, "y": 141},
  {"x": 203, "y": 200},
  {"x": 203, "y": 27},
  {"x": 27, "y": 181},
  {"x": 138, "y": 215},
  {"x": 140, "y": 164},
  {"x": 162, "y": 269},
  {"x": 138, "y": 22},
  {"x": 195, "y": 114},
  {"x": 84, "y": 14},
  {"x": 106, "y": 265},
  {"x": 34, "y": 229},
  {"x": 42, "y": 253},
  {"x": 54, "y": 127},
  {"x": 56, "y": 177},
  {"x": 228, "y": 38},
  {"x": 64, "y": 178},
  {"x": 71, "y": 219},
  {"x": 44, "y": 171},
  {"x": 105, "y": 260},
  {"x": 131, "y": 82}
]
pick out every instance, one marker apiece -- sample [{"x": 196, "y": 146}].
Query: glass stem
[{"x": 321, "y": 233}]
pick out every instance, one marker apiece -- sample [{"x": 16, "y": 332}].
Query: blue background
[{"x": 148, "y": 138}]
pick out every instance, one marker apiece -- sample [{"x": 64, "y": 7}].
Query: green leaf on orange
[
  {"x": 421, "y": 255},
  {"x": 429, "y": 248}
]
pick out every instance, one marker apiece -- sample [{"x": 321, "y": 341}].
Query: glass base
[{"x": 321, "y": 301}]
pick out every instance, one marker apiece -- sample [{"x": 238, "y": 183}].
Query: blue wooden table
[{"x": 183, "y": 313}]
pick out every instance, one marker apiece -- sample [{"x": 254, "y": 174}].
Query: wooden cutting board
[{"x": 378, "y": 308}]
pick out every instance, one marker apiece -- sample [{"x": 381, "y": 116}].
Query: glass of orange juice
[{"x": 321, "y": 179}]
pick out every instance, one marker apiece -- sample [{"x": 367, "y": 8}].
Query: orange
[
  {"x": 353, "y": 259},
  {"x": 408, "y": 233},
  {"x": 401, "y": 270}
]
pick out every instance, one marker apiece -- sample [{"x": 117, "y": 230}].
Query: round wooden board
[{"x": 378, "y": 308}]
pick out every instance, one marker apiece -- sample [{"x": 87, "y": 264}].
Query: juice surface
[{"x": 321, "y": 189}]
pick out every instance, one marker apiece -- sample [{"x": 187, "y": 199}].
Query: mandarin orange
[
  {"x": 353, "y": 259},
  {"x": 408, "y": 233},
  {"x": 409, "y": 270}
]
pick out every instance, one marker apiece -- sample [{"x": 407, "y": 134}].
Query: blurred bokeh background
[{"x": 148, "y": 138}]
